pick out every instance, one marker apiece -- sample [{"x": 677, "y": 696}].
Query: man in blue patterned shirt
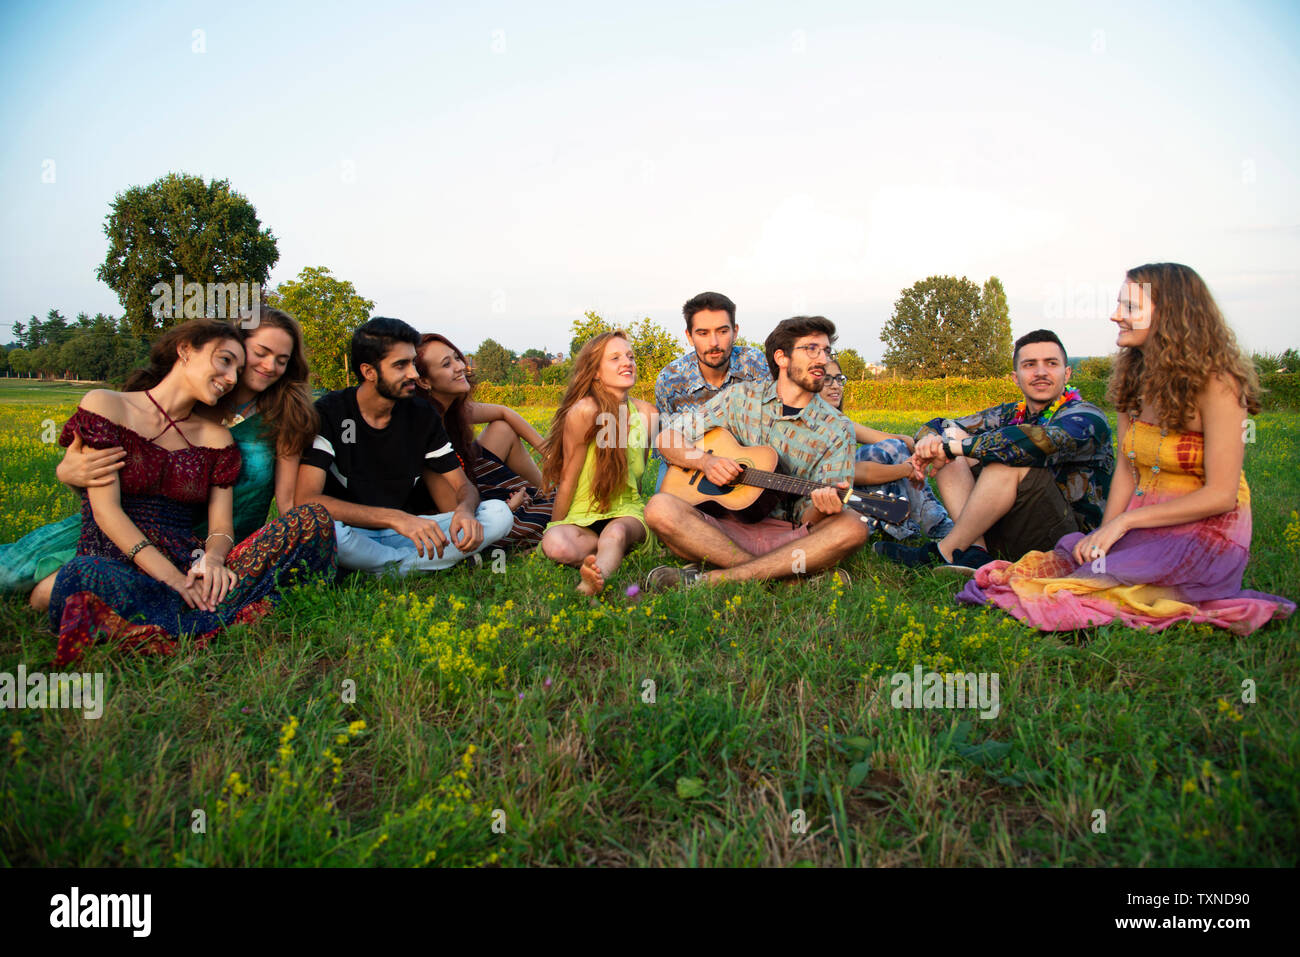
[
  {"x": 1018, "y": 476},
  {"x": 716, "y": 362}
]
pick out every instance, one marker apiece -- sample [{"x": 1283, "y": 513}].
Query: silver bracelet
[{"x": 223, "y": 535}]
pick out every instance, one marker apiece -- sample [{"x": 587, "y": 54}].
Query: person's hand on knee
[{"x": 466, "y": 531}]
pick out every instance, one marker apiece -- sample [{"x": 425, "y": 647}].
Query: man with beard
[
  {"x": 1018, "y": 476},
  {"x": 812, "y": 440},
  {"x": 715, "y": 363},
  {"x": 375, "y": 442}
]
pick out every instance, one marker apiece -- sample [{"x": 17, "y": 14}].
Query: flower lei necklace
[{"x": 1022, "y": 408}]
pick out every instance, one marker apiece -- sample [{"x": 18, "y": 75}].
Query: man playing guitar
[{"x": 812, "y": 440}]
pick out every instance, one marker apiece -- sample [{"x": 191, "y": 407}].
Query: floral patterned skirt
[{"x": 106, "y": 599}]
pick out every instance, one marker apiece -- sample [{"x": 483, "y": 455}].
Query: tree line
[
  {"x": 98, "y": 348},
  {"x": 184, "y": 230}
]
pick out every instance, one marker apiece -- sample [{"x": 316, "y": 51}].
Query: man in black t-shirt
[{"x": 376, "y": 443}]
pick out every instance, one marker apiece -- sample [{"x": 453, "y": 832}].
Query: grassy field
[{"x": 492, "y": 716}]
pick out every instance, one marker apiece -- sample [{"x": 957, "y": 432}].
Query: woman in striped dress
[{"x": 497, "y": 460}]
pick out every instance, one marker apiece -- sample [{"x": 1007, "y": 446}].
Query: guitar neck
[
  {"x": 778, "y": 481},
  {"x": 888, "y": 508}
]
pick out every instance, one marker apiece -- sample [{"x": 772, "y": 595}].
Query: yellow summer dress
[{"x": 626, "y": 501}]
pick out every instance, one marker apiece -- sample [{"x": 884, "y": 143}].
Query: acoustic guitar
[{"x": 752, "y": 492}]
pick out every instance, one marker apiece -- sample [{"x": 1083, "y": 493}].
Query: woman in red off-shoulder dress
[{"x": 141, "y": 577}]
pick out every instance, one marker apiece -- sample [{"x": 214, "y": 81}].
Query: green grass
[
  {"x": 38, "y": 392},
  {"x": 768, "y": 699}
]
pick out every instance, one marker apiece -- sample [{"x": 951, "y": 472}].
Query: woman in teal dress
[{"x": 271, "y": 417}]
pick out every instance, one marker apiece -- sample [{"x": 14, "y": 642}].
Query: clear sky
[{"x": 496, "y": 170}]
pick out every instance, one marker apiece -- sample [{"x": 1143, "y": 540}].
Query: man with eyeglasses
[
  {"x": 885, "y": 463},
  {"x": 812, "y": 440}
]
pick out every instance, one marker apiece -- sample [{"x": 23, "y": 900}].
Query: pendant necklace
[
  {"x": 239, "y": 414},
  {"x": 1132, "y": 455}
]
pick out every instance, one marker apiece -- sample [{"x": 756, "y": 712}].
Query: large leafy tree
[
  {"x": 181, "y": 225},
  {"x": 939, "y": 329},
  {"x": 851, "y": 364},
  {"x": 34, "y": 337},
  {"x": 494, "y": 363},
  {"x": 20, "y": 360},
  {"x": 56, "y": 330},
  {"x": 329, "y": 310},
  {"x": 653, "y": 346},
  {"x": 997, "y": 316},
  {"x": 591, "y": 324}
]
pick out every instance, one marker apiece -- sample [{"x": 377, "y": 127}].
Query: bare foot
[{"x": 593, "y": 582}]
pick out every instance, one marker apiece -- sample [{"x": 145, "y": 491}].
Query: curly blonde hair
[{"x": 1189, "y": 343}]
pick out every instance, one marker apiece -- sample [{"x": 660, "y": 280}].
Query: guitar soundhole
[{"x": 708, "y": 488}]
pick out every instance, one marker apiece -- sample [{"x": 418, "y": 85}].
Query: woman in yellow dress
[{"x": 595, "y": 455}]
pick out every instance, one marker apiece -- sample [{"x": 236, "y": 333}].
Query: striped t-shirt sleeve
[
  {"x": 321, "y": 452},
  {"x": 438, "y": 452}
]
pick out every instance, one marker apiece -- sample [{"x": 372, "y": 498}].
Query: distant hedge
[
  {"x": 1282, "y": 392},
  {"x": 547, "y": 395}
]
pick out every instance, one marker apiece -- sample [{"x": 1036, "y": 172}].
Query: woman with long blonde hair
[
  {"x": 1175, "y": 537},
  {"x": 595, "y": 455}
]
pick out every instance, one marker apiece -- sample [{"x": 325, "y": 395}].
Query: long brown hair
[
  {"x": 1189, "y": 342},
  {"x": 196, "y": 333},
  {"x": 611, "y": 461},
  {"x": 456, "y": 416},
  {"x": 289, "y": 418}
]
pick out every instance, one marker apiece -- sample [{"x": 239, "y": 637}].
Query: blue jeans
[
  {"x": 378, "y": 549},
  {"x": 928, "y": 516}
]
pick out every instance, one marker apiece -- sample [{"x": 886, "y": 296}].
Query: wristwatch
[{"x": 947, "y": 448}]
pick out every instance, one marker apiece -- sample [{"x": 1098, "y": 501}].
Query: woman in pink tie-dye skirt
[{"x": 1175, "y": 538}]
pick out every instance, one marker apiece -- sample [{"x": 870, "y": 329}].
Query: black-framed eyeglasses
[
  {"x": 836, "y": 379},
  {"x": 814, "y": 350}
]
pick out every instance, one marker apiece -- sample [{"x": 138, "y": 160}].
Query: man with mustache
[
  {"x": 1018, "y": 476},
  {"x": 715, "y": 363},
  {"x": 812, "y": 440},
  {"x": 375, "y": 443}
]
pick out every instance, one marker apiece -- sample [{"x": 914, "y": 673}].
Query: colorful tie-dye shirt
[{"x": 1075, "y": 444}]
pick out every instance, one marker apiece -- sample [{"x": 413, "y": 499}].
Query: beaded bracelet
[{"x": 135, "y": 549}]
